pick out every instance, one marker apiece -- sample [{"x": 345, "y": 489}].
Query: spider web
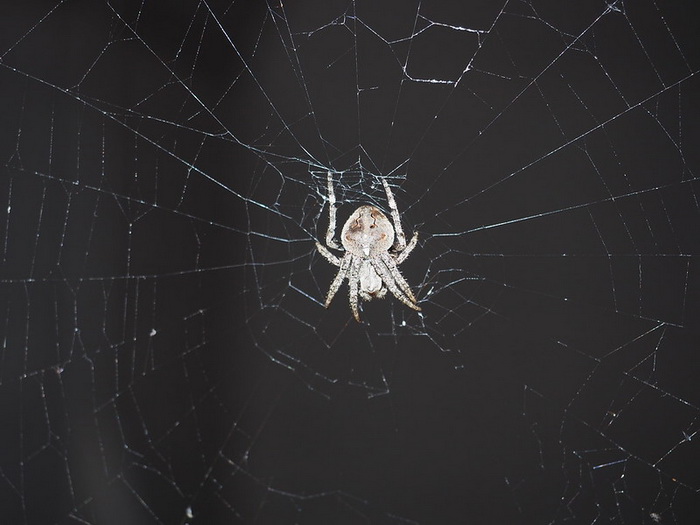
[{"x": 166, "y": 357}]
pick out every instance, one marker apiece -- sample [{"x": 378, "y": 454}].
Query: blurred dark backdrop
[{"x": 165, "y": 355}]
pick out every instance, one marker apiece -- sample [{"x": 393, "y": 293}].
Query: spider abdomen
[{"x": 367, "y": 232}]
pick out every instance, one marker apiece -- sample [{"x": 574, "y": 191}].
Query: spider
[{"x": 367, "y": 236}]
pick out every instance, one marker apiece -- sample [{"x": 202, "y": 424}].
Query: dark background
[{"x": 165, "y": 354}]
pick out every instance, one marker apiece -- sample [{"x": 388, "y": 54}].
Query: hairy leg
[
  {"x": 339, "y": 278},
  {"x": 390, "y": 283},
  {"x": 400, "y": 243},
  {"x": 398, "y": 277},
  {"x": 402, "y": 256},
  {"x": 327, "y": 255},
  {"x": 354, "y": 280},
  {"x": 330, "y": 233}
]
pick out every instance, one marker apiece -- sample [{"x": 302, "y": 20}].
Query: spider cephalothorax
[{"x": 367, "y": 238}]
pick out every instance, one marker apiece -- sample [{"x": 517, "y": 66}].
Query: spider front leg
[
  {"x": 344, "y": 264},
  {"x": 354, "y": 281},
  {"x": 399, "y": 279},
  {"x": 395, "y": 282}
]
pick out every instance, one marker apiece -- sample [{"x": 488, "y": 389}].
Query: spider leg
[
  {"x": 354, "y": 280},
  {"x": 327, "y": 255},
  {"x": 402, "y": 256},
  {"x": 396, "y": 284},
  {"x": 330, "y": 233},
  {"x": 400, "y": 243},
  {"x": 344, "y": 264},
  {"x": 398, "y": 278}
]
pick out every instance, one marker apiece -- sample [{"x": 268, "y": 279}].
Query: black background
[{"x": 165, "y": 355}]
